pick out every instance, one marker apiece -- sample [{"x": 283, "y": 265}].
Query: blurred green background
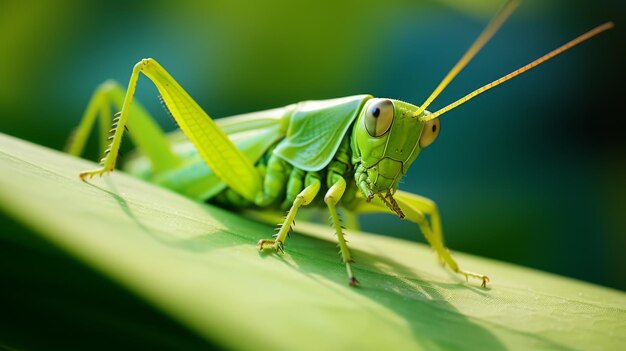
[{"x": 532, "y": 173}]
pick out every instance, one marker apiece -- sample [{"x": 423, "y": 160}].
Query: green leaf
[{"x": 199, "y": 264}]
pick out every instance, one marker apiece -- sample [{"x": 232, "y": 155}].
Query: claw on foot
[
  {"x": 352, "y": 281},
  {"x": 485, "y": 281},
  {"x": 279, "y": 246}
]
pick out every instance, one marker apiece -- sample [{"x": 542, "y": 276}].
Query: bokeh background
[{"x": 532, "y": 173}]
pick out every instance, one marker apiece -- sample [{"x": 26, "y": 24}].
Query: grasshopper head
[
  {"x": 387, "y": 138},
  {"x": 389, "y": 134}
]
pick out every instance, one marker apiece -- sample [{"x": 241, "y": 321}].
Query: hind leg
[{"x": 146, "y": 134}]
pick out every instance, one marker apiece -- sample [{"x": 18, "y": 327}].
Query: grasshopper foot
[
  {"x": 88, "y": 174},
  {"x": 277, "y": 245},
  {"x": 484, "y": 279},
  {"x": 352, "y": 281}
]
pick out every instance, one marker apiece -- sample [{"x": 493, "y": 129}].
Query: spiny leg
[
  {"x": 222, "y": 156},
  {"x": 415, "y": 207},
  {"x": 332, "y": 197},
  {"x": 304, "y": 198},
  {"x": 149, "y": 137}
]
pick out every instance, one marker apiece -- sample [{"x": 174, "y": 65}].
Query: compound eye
[
  {"x": 430, "y": 132},
  {"x": 378, "y": 117}
]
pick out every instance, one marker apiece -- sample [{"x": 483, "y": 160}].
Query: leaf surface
[{"x": 199, "y": 264}]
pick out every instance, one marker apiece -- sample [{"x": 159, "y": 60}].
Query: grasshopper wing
[
  {"x": 316, "y": 130},
  {"x": 252, "y": 133}
]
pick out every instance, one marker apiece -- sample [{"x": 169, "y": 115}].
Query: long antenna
[
  {"x": 482, "y": 39},
  {"x": 599, "y": 29}
]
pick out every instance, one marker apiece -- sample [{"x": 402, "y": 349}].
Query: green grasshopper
[{"x": 350, "y": 152}]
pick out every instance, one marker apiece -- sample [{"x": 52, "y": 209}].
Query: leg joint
[
  {"x": 329, "y": 199},
  {"x": 143, "y": 64},
  {"x": 300, "y": 200}
]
